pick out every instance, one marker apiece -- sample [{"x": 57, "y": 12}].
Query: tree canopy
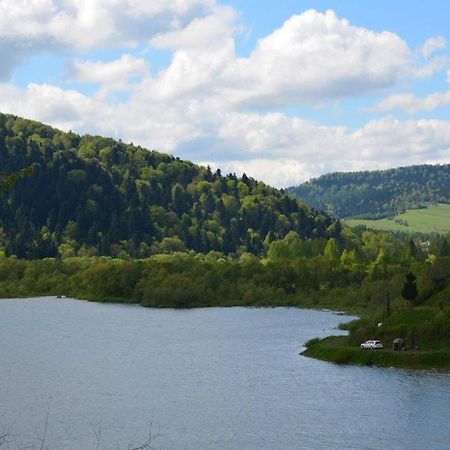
[
  {"x": 91, "y": 195},
  {"x": 376, "y": 194}
]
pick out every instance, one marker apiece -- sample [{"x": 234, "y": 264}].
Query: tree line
[{"x": 354, "y": 272}]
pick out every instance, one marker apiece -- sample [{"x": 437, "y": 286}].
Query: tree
[
  {"x": 379, "y": 268},
  {"x": 8, "y": 180},
  {"x": 172, "y": 244},
  {"x": 409, "y": 290},
  {"x": 445, "y": 248},
  {"x": 331, "y": 251}
]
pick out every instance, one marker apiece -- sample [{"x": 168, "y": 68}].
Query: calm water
[{"x": 205, "y": 379}]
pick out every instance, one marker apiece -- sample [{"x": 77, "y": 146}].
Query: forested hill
[
  {"x": 90, "y": 195},
  {"x": 376, "y": 194}
]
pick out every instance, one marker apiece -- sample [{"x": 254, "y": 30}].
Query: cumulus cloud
[
  {"x": 193, "y": 72},
  {"x": 433, "y": 44},
  {"x": 150, "y": 125},
  {"x": 62, "y": 108},
  {"x": 30, "y": 26},
  {"x": 289, "y": 150},
  {"x": 97, "y": 23},
  {"x": 113, "y": 76},
  {"x": 213, "y": 106},
  {"x": 315, "y": 57},
  {"x": 312, "y": 58},
  {"x": 381, "y": 140},
  {"x": 279, "y": 149},
  {"x": 276, "y": 172},
  {"x": 201, "y": 32},
  {"x": 412, "y": 104}
]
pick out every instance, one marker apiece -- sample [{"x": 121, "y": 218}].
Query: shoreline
[{"x": 335, "y": 349}]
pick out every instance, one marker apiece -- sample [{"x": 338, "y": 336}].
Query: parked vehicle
[{"x": 372, "y": 344}]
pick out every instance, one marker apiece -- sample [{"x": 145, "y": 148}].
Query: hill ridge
[
  {"x": 93, "y": 195},
  {"x": 376, "y": 194}
]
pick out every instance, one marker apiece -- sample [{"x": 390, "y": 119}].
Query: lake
[{"x": 209, "y": 378}]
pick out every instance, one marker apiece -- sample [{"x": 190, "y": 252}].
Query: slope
[
  {"x": 91, "y": 195},
  {"x": 376, "y": 194}
]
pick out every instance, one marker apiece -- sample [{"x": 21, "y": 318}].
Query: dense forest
[
  {"x": 354, "y": 273},
  {"x": 72, "y": 195},
  {"x": 376, "y": 194}
]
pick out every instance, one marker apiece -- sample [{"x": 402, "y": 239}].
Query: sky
[{"x": 281, "y": 90}]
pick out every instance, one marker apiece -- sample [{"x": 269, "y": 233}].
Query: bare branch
[
  {"x": 3, "y": 438},
  {"x": 45, "y": 431},
  {"x": 97, "y": 430},
  {"x": 146, "y": 445}
]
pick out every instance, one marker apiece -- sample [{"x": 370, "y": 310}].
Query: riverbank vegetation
[
  {"x": 423, "y": 322},
  {"x": 337, "y": 349},
  {"x": 352, "y": 273},
  {"x": 364, "y": 274},
  {"x": 368, "y": 281}
]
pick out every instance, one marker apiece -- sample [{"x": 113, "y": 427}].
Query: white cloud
[
  {"x": 312, "y": 58},
  {"x": 315, "y": 57},
  {"x": 203, "y": 105},
  {"x": 65, "y": 109},
  {"x": 305, "y": 149},
  {"x": 113, "y": 76},
  {"x": 193, "y": 72},
  {"x": 433, "y": 44},
  {"x": 31, "y": 26},
  {"x": 411, "y": 104},
  {"x": 151, "y": 125},
  {"x": 433, "y": 66},
  {"x": 279, "y": 149},
  {"x": 156, "y": 8},
  {"x": 281, "y": 136},
  {"x": 201, "y": 32},
  {"x": 276, "y": 172},
  {"x": 395, "y": 142}
]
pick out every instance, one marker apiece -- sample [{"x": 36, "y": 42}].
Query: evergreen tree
[{"x": 409, "y": 290}]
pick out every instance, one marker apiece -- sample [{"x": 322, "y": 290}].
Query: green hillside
[
  {"x": 376, "y": 194},
  {"x": 432, "y": 219},
  {"x": 91, "y": 195}
]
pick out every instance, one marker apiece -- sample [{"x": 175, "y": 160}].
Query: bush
[{"x": 312, "y": 342}]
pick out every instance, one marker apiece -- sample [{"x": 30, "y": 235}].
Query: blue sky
[{"x": 282, "y": 90}]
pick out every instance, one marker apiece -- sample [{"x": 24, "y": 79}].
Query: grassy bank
[
  {"x": 339, "y": 349},
  {"x": 426, "y": 327}
]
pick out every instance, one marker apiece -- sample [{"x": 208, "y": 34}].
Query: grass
[
  {"x": 433, "y": 219},
  {"x": 427, "y": 328},
  {"x": 337, "y": 349}
]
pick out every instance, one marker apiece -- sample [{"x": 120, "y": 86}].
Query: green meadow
[{"x": 433, "y": 219}]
